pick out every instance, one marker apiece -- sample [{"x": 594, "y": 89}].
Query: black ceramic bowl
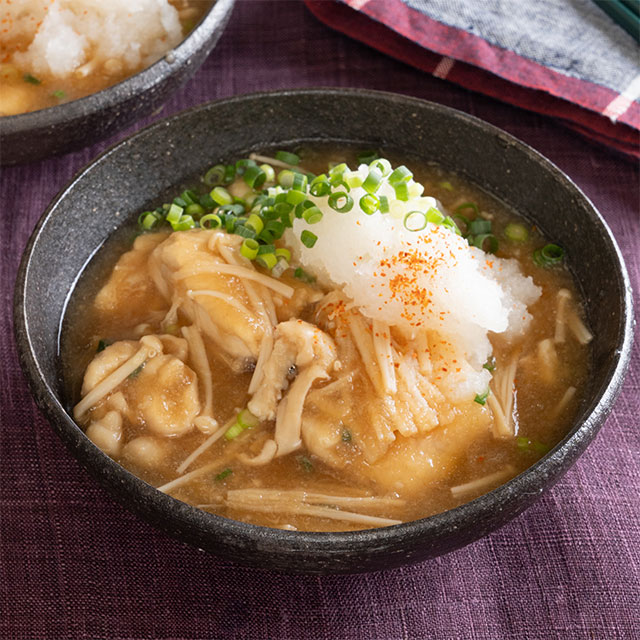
[
  {"x": 32, "y": 136},
  {"x": 158, "y": 157}
]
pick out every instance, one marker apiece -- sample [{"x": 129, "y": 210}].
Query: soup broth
[{"x": 364, "y": 454}]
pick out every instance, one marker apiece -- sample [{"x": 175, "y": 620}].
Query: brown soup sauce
[{"x": 543, "y": 411}]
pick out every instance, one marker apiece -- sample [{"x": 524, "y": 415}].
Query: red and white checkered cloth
[{"x": 568, "y": 60}]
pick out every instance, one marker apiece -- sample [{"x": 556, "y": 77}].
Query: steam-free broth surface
[{"x": 341, "y": 465}]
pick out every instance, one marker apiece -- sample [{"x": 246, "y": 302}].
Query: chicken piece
[
  {"x": 106, "y": 362},
  {"x": 145, "y": 451},
  {"x": 410, "y": 464},
  {"x": 106, "y": 433},
  {"x": 165, "y": 394},
  {"x": 297, "y": 344},
  {"x": 130, "y": 294},
  {"x": 186, "y": 271},
  {"x": 160, "y": 393}
]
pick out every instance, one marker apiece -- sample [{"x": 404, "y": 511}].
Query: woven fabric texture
[{"x": 74, "y": 564}]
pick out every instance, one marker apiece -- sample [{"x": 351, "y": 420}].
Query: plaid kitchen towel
[{"x": 565, "y": 59}]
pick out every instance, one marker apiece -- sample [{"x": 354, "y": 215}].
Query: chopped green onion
[
  {"x": 247, "y": 419},
  {"x": 275, "y": 228},
  {"x": 525, "y": 444},
  {"x": 254, "y": 177},
  {"x": 283, "y": 253},
  {"x": 306, "y": 464},
  {"x": 285, "y": 178},
  {"x": 312, "y": 215},
  {"x": 434, "y": 216},
  {"x": 270, "y": 213},
  {"x": 369, "y": 203},
  {"x": 281, "y": 266},
  {"x": 367, "y": 157},
  {"x": 352, "y": 180},
  {"x": 299, "y": 182},
  {"x": 215, "y": 176},
  {"x": 446, "y": 185},
  {"x": 451, "y": 225},
  {"x": 185, "y": 223},
  {"x": 338, "y": 182},
  {"x": 337, "y": 170},
  {"x": 516, "y": 232},
  {"x": 267, "y": 260},
  {"x": 242, "y": 166},
  {"x": 482, "y": 399},
  {"x": 286, "y": 156},
  {"x": 372, "y": 181},
  {"x": 301, "y": 274},
  {"x": 224, "y": 474},
  {"x": 287, "y": 218},
  {"x": 297, "y": 197},
  {"x": 382, "y": 165},
  {"x": 233, "y": 431},
  {"x": 340, "y": 201},
  {"x": 236, "y": 209},
  {"x": 320, "y": 186},
  {"x": 214, "y": 220},
  {"x": 207, "y": 201},
  {"x": 415, "y": 189},
  {"x": 266, "y": 248},
  {"x": 230, "y": 223},
  {"x": 467, "y": 205},
  {"x": 189, "y": 196},
  {"x": 255, "y": 222},
  {"x": 400, "y": 175},
  {"x": 244, "y": 231},
  {"x": 148, "y": 220},
  {"x": 221, "y": 196},
  {"x": 482, "y": 240},
  {"x": 249, "y": 248},
  {"x": 479, "y": 226},
  {"x": 490, "y": 364},
  {"x": 402, "y": 191},
  {"x": 269, "y": 172},
  {"x": 308, "y": 239},
  {"x": 174, "y": 214},
  {"x": 59, "y": 94},
  {"x": 549, "y": 255},
  {"x": 302, "y": 206},
  {"x": 102, "y": 345},
  {"x": 194, "y": 209},
  {"x": 27, "y": 77},
  {"x": 179, "y": 201},
  {"x": 282, "y": 208},
  {"x": 415, "y": 221},
  {"x": 229, "y": 174}
]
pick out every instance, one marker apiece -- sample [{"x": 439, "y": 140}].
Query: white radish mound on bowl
[
  {"x": 62, "y": 37},
  {"x": 414, "y": 280}
]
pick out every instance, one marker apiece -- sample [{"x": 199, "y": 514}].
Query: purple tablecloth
[{"x": 74, "y": 564}]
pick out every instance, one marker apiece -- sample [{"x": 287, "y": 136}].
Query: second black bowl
[{"x": 39, "y": 134}]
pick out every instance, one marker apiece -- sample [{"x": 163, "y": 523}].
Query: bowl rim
[
  {"x": 563, "y": 454},
  {"x": 113, "y": 95}
]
